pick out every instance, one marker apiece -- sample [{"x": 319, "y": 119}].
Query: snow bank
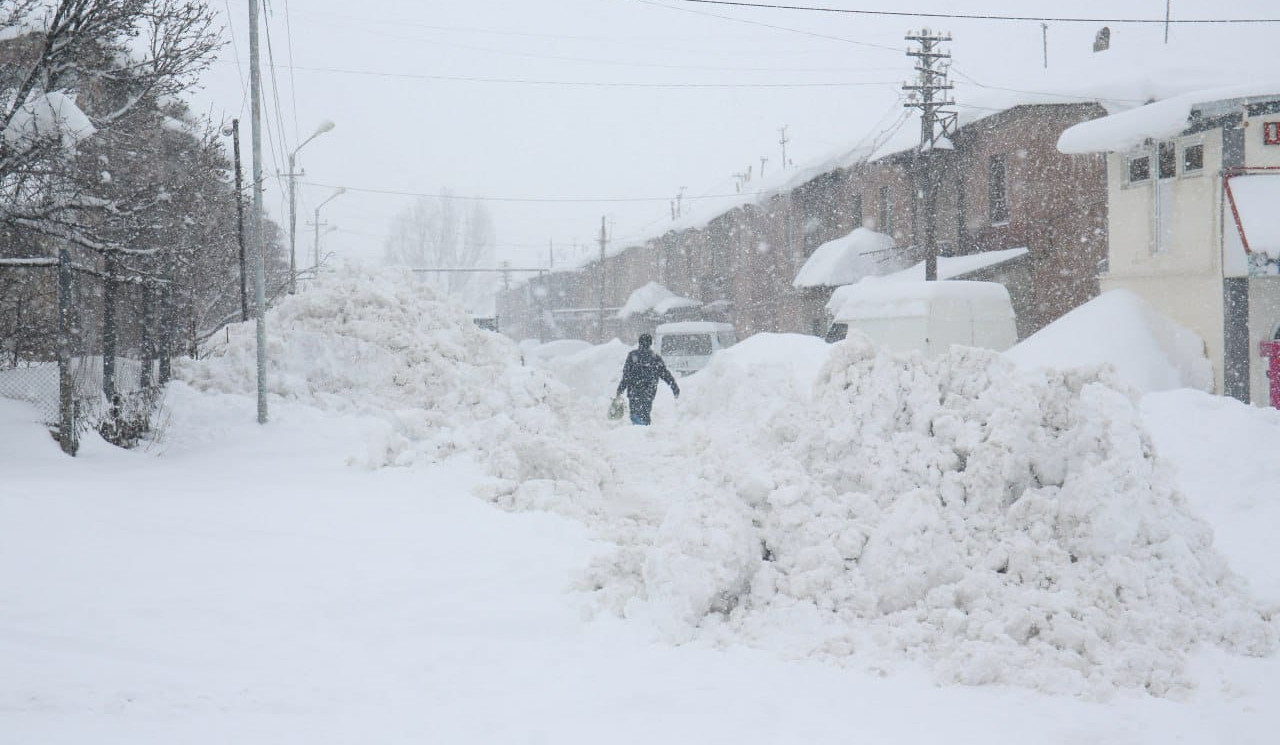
[
  {"x": 592, "y": 372},
  {"x": 386, "y": 346},
  {"x": 997, "y": 526},
  {"x": 1119, "y": 329}
]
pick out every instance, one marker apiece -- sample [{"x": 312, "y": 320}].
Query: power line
[
  {"x": 581, "y": 200},
  {"x": 621, "y": 63},
  {"x": 980, "y": 17},
  {"x": 804, "y": 32},
  {"x": 585, "y": 83}
]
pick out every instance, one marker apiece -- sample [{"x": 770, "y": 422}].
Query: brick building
[{"x": 1004, "y": 185}]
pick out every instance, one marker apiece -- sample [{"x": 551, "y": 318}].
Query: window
[
  {"x": 1192, "y": 158},
  {"x": 997, "y": 193},
  {"x": 681, "y": 345},
  {"x": 885, "y": 222},
  {"x": 1167, "y": 155},
  {"x": 1138, "y": 168}
]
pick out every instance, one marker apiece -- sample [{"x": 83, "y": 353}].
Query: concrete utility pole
[
  {"x": 1044, "y": 37},
  {"x": 1168, "y": 10},
  {"x": 929, "y": 94},
  {"x": 782, "y": 140},
  {"x": 255, "y": 221},
  {"x": 600, "y": 282}
]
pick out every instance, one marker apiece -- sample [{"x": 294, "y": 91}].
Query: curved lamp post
[
  {"x": 325, "y": 126},
  {"x": 339, "y": 192}
]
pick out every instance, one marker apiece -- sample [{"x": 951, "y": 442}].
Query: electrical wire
[
  {"x": 982, "y": 16},
  {"x": 587, "y": 83},
  {"x": 804, "y": 32},
  {"x": 534, "y": 200}
]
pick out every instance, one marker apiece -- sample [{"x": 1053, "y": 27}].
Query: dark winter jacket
[{"x": 641, "y": 373}]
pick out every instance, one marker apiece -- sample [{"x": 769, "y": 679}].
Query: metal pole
[
  {"x": 260, "y": 260},
  {"x": 316, "y": 264},
  {"x": 66, "y": 392},
  {"x": 244, "y": 290},
  {"x": 293, "y": 226},
  {"x": 109, "y": 328}
]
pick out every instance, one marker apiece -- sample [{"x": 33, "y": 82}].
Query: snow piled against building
[
  {"x": 1143, "y": 347},
  {"x": 996, "y": 526}
]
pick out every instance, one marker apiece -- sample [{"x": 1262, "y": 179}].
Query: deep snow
[{"x": 331, "y": 576}]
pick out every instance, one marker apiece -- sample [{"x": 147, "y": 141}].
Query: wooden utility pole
[
  {"x": 782, "y": 140},
  {"x": 244, "y": 286},
  {"x": 929, "y": 94}
]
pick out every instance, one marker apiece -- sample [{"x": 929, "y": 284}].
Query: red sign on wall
[{"x": 1271, "y": 133}]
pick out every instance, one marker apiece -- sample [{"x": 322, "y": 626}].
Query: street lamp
[
  {"x": 325, "y": 126},
  {"x": 340, "y": 191}
]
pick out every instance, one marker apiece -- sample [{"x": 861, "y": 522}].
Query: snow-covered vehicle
[
  {"x": 928, "y": 316},
  {"x": 687, "y": 346}
]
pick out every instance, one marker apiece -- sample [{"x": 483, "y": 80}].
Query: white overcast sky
[{"x": 608, "y": 99}]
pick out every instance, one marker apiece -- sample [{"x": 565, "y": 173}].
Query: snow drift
[{"x": 385, "y": 346}]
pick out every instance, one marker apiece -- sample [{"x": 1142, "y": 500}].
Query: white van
[
  {"x": 687, "y": 346},
  {"x": 928, "y": 316}
]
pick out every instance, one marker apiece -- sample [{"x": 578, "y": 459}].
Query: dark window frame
[
  {"x": 1193, "y": 152},
  {"x": 998, "y": 190}
]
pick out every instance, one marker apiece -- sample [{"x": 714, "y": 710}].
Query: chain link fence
[{"x": 87, "y": 347}]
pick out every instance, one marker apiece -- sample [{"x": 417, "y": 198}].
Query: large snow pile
[
  {"x": 997, "y": 526},
  {"x": 385, "y": 346},
  {"x": 1145, "y": 348}
]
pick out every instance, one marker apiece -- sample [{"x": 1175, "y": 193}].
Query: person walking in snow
[{"x": 640, "y": 377}]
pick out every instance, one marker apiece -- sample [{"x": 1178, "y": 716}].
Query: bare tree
[
  {"x": 435, "y": 233},
  {"x": 89, "y": 75}
]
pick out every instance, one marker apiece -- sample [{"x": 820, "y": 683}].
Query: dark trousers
[{"x": 640, "y": 405}]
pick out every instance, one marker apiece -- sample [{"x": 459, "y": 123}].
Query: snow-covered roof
[
  {"x": 846, "y": 259},
  {"x": 49, "y": 114},
  {"x": 693, "y": 327},
  {"x": 1158, "y": 120},
  {"x": 653, "y": 297},
  {"x": 949, "y": 267},
  {"x": 912, "y": 299}
]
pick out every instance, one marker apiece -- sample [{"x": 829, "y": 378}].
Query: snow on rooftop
[
  {"x": 949, "y": 267},
  {"x": 53, "y": 114},
  {"x": 653, "y": 297},
  {"x": 909, "y": 299},
  {"x": 693, "y": 327},
  {"x": 845, "y": 260},
  {"x": 1158, "y": 120}
]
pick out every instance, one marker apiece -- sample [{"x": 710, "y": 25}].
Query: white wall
[{"x": 1182, "y": 279}]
